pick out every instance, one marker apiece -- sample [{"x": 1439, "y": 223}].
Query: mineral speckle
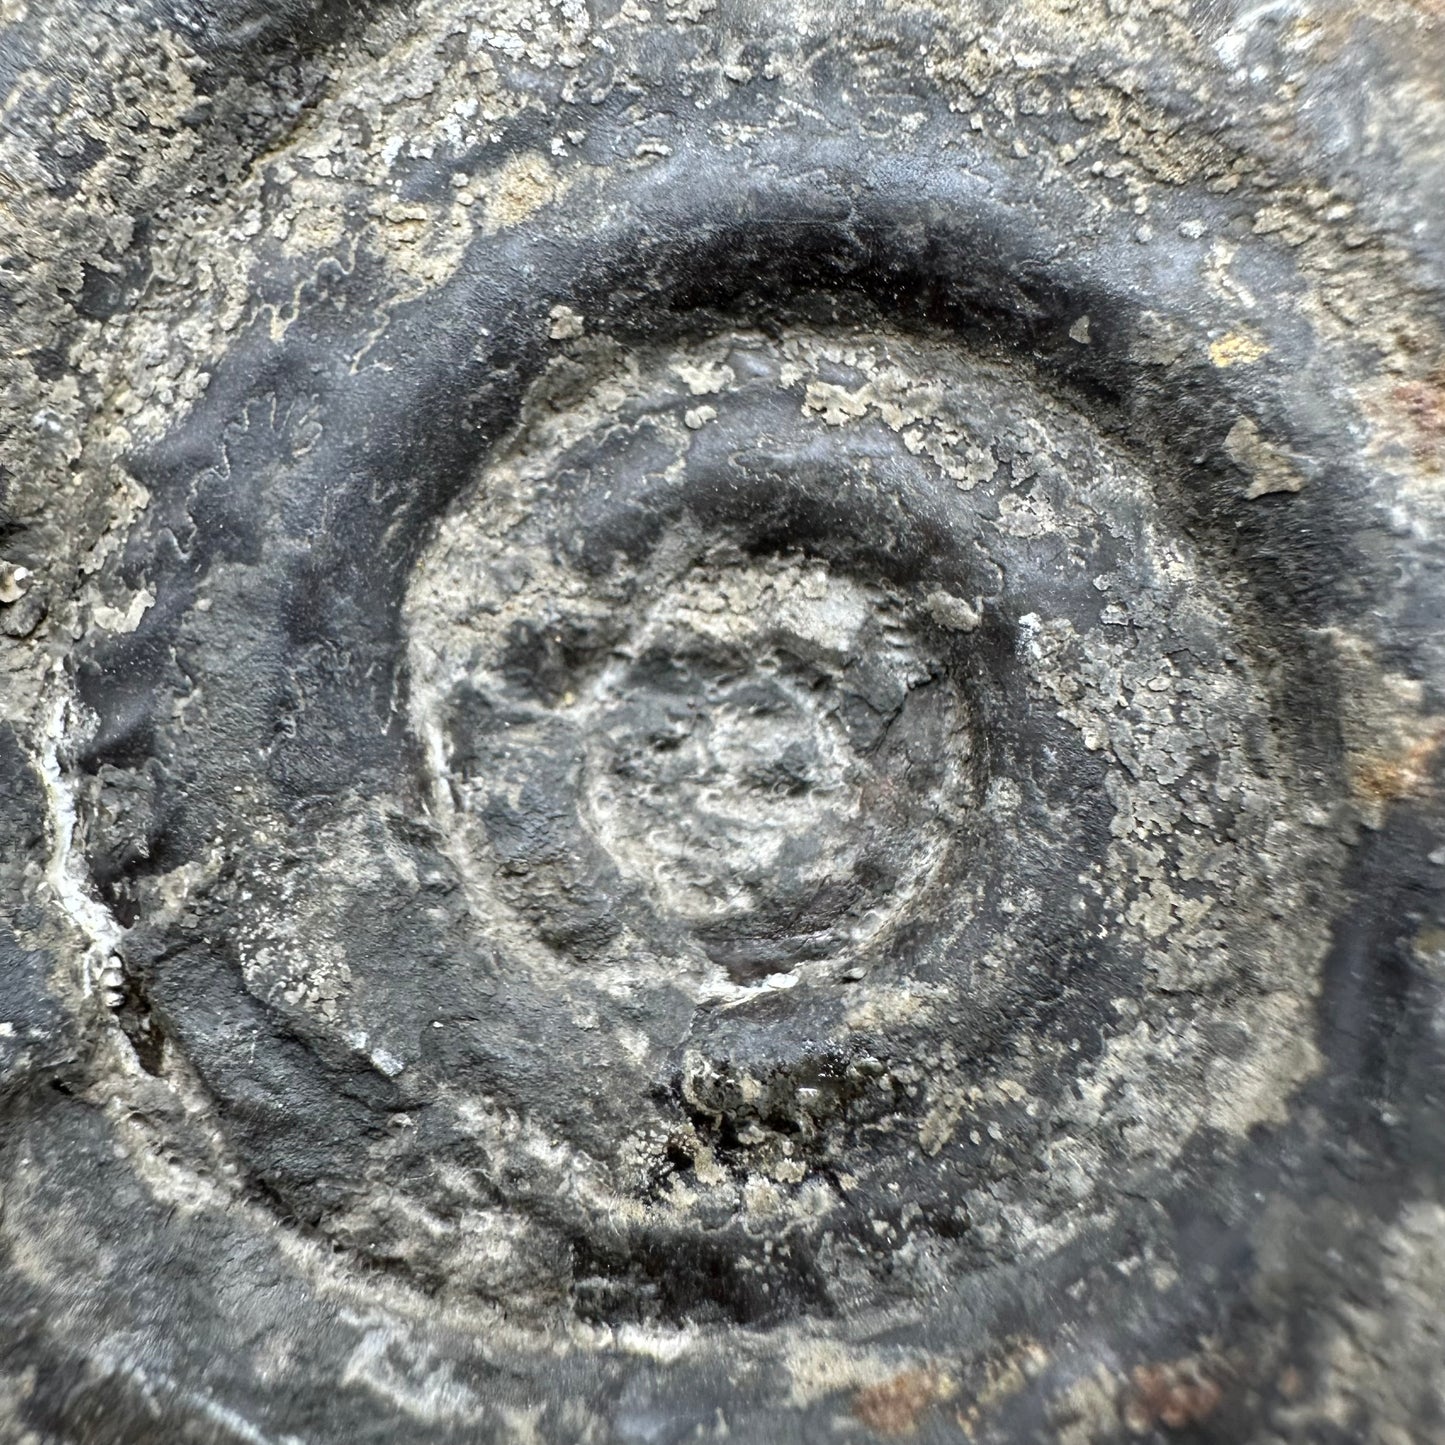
[{"x": 720, "y": 727}]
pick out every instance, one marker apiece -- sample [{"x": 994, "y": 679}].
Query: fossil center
[{"x": 766, "y": 758}]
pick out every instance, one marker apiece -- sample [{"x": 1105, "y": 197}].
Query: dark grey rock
[{"x": 722, "y": 726}]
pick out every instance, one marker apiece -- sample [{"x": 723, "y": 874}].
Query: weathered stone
[{"x": 720, "y": 725}]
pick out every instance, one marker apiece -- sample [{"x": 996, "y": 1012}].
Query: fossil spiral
[{"x": 756, "y": 765}]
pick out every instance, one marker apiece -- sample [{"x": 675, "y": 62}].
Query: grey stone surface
[{"x": 721, "y": 722}]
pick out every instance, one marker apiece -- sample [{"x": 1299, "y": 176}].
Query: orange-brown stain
[
  {"x": 1388, "y": 778},
  {"x": 893, "y": 1407},
  {"x": 1173, "y": 1395},
  {"x": 1423, "y": 403}
]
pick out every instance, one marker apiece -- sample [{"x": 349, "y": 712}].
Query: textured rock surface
[{"x": 720, "y": 725}]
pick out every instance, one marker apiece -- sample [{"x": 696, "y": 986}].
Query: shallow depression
[
  {"x": 766, "y": 759},
  {"x": 806, "y": 775}
]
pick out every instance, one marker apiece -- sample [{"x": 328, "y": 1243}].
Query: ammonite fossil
[{"x": 723, "y": 724}]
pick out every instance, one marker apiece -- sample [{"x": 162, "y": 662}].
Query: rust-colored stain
[
  {"x": 1386, "y": 779},
  {"x": 1423, "y": 403},
  {"x": 1173, "y": 1395},
  {"x": 893, "y": 1407}
]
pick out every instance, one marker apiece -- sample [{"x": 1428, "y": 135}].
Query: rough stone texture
[{"x": 721, "y": 724}]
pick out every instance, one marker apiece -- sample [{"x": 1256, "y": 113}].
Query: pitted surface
[{"x": 723, "y": 728}]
